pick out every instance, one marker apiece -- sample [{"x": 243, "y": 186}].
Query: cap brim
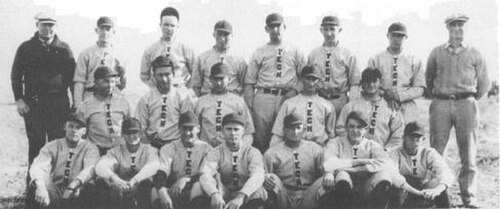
[
  {"x": 293, "y": 124},
  {"x": 224, "y": 30},
  {"x": 276, "y": 22},
  {"x": 218, "y": 76},
  {"x": 417, "y": 133},
  {"x": 329, "y": 23},
  {"x": 457, "y": 20},
  {"x": 131, "y": 131},
  {"x": 399, "y": 32},
  {"x": 47, "y": 21},
  {"x": 106, "y": 24},
  {"x": 312, "y": 75}
]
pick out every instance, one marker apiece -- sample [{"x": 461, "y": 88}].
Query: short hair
[
  {"x": 370, "y": 74},
  {"x": 169, "y": 11}
]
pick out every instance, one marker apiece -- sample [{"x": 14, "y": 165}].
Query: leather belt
[
  {"x": 275, "y": 91},
  {"x": 455, "y": 96}
]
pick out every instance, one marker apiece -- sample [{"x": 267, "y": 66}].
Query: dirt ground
[{"x": 13, "y": 155}]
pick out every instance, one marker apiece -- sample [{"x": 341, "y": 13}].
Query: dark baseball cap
[
  {"x": 370, "y": 75},
  {"x": 456, "y": 17},
  {"x": 233, "y": 118},
  {"x": 105, "y": 21},
  {"x": 223, "y": 25},
  {"x": 104, "y": 72},
  {"x": 188, "y": 119},
  {"x": 162, "y": 61},
  {"x": 357, "y": 115},
  {"x": 77, "y": 118},
  {"x": 398, "y": 28},
  {"x": 131, "y": 126},
  {"x": 310, "y": 70},
  {"x": 274, "y": 19},
  {"x": 219, "y": 70},
  {"x": 414, "y": 129},
  {"x": 292, "y": 119},
  {"x": 330, "y": 20}
]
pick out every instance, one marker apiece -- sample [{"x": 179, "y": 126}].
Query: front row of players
[{"x": 189, "y": 173}]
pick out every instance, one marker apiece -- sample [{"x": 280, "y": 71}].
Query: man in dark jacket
[{"x": 41, "y": 75}]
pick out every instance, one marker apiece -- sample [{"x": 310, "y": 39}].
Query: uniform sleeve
[
  {"x": 340, "y": 128},
  {"x": 89, "y": 161},
  {"x": 416, "y": 89},
  {"x": 354, "y": 71},
  {"x": 197, "y": 76},
  {"x": 190, "y": 59},
  {"x": 241, "y": 73},
  {"x": 381, "y": 160},
  {"x": 256, "y": 169},
  {"x": 167, "y": 154},
  {"x": 319, "y": 160},
  {"x": 396, "y": 127},
  {"x": 483, "y": 80},
  {"x": 330, "y": 121},
  {"x": 146, "y": 68},
  {"x": 430, "y": 72},
  {"x": 299, "y": 65},
  {"x": 42, "y": 164},
  {"x": 372, "y": 63},
  {"x": 18, "y": 73},
  {"x": 81, "y": 68},
  {"x": 152, "y": 165},
  {"x": 142, "y": 113},
  {"x": 331, "y": 160},
  {"x": 253, "y": 69},
  {"x": 249, "y": 128},
  {"x": 280, "y": 117},
  {"x": 269, "y": 161},
  {"x": 106, "y": 165},
  {"x": 439, "y": 168},
  {"x": 209, "y": 168}
]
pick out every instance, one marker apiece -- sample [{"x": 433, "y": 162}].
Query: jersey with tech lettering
[
  {"x": 318, "y": 113},
  {"x": 179, "y": 161},
  {"x": 385, "y": 125},
  {"x": 205, "y": 61},
  {"x": 92, "y": 58}
]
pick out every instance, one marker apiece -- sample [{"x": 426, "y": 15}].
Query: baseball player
[
  {"x": 294, "y": 167},
  {"x": 232, "y": 174},
  {"x": 101, "y": 54},
  {"x": 402, "y": 73},
  {"x": 105, "y": 111},
  {"x": 457, "y": 78},
  {"x": 180, "y": 165},
  {"x": 220, "y": 52},
  {"x": 170, "y": 47},
  {"x": 69, "y": 164},
  {"x": 272, "y": 77},
  {"x": 159, "y": 110},
  {"x": 361, "y": 170},
  {"x": 385, "y": 124},
  {"x": 319, "y": 113},
  {"x": 212, "y": 107},
  {"x": 339, "y": 70},
  {"x": 424, "y": 168},
  {"x": 125, "y": 169}
]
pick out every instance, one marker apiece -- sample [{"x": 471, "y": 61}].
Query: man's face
[
  {"x": 105, "y": 86},
  {"x": 412, "y": 143},
  {"x": 294, "y": 133},
  {"x": 188, "y": 135},
  {"x": 371, "y": 87},
  {"x": 275, "y": 31},
  {"x": 222, "y": 38},
  {"x": 163, "y": 77},
  {"x": 105, "y": 33},
  {"x": 310, "y": 83},
  {"x": 169, "y": 25},
  {"x": 46, "y": 30},
  {"x": 456, "y": 29},
  {"x": 355, "y": 131},
  {"x": 132, "y": 138},
  {"x": 219, "y": 83},
  {"x": 330, "y": 32},
  {"x": 233, "y": 134},
  {"x": 74, "y": 131},
  {"x": 396, "y": 40}
]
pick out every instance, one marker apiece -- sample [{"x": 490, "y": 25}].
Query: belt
[
  {"x": 455, "y": 96},
  {"x": 275, "y": 91}
]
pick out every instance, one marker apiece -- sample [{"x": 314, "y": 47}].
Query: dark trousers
[{"x": 402, "y": 199}]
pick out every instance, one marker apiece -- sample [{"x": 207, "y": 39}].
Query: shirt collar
[{"x": 448, "y": 46}]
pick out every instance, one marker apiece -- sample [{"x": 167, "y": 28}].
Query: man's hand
[
  {"x": 215, "y": 141},
  {"x": 72, "y": 190},
  {"x": 329, "y": 181},
  {"x": 269, "y": 183},
  {"x": 132, "y": 183},
  {"x": 22, "y": 107},
  {"x": 177, "y": 188},
  {"x": 236, "y": 203},
  {"x": 217, "y": 202},
  {"x": 433, "y": 193},
  {"x": 120, "y": 184},
  {"x": 165, "y": 200},
  {"x": 42, "y": 195},
  {"x": 197, "y": 91}
]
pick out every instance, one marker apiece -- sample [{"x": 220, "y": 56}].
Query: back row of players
[{"x": 286, "y": 105}]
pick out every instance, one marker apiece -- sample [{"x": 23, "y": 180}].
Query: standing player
[
  {"x": 105, "y": 111},
  {"x": 170, "y": 47},
  {"x": 69, "y": 165},
  {"x": 220, "y": 52},
  {"x": 180, "y": 165},
  {"x": 340, "y": 73},
  {"x": 402, "y": 73},
  {"x": 232, "y": 174},
  {"x": 210, "y": 108},
  {"x": 319, "y": 113},
  {"x": 101, "y": 54},
  {"x": 423, "y": 169},
  {"x": 159, "y": 110},
  {"x": 272, "y": 77},
  {"x": 294, "y": 168},
  {"x": 386, "y": 124},
  {"x": 125, "y": 169},
  {"x": 457, "y": 78}
]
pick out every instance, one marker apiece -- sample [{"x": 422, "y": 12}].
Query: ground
[{"x": 13, "y": 154}]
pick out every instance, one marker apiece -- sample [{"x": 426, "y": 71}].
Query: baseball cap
[
  {"x": 162, "y": 61},
  {"x": 105, "y": 21},
  {"x": 310, "y": 70},
  {"x": 219, "y": 70},
  {"x": 274, "y": 19},
  {"x": 77, "y": 118},
  {"x": 292, "y": 119},
  {"x": 45, "y": 18},
  {"x": 131, "y": 125},
  {"x": 370, "y": 75},
  {"x": 330, "y": 20},
  {"x": 398, "y": 28},
  {"x": 104, "y": 72},
  {"x": 357, "y": 115},
  {"x": 414, "y": 128},
  {"x": 188, "y": 119},
  {"x": 233, "y": 118},
  {"x": 223, "y": 25},
  {"x": 456, "y": 17}
]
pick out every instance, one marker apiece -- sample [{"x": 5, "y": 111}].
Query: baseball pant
[
  {"x": 463, "y": 115},
  {"x": 401, "y": 198},
  {"x": 190, "y": 192},
  {"x": 408, "y": 111},
  {"x": 265, "y": 110},
  {"x": 339, "y": 103},
  {"x": 363, "y": 184},
  {"x": 255, "y": 200},
  {"x": 303, "y": 199}
]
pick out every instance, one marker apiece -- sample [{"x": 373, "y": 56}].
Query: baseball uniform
[
  {"x": 210, "y": 110},
  {"x": 385, "y": 125},
  {"x": 404, "y": 73},
  {"x": 297, "y": 173},
  {"x": 204, "y": 62},
  {"x": 159, "y": 113},
  {"x": 273, "y": 70},
  {"x": 182, "y": 55},
  {"x": 340, "y": 72},
  {"x": 319, "y": 115}
]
